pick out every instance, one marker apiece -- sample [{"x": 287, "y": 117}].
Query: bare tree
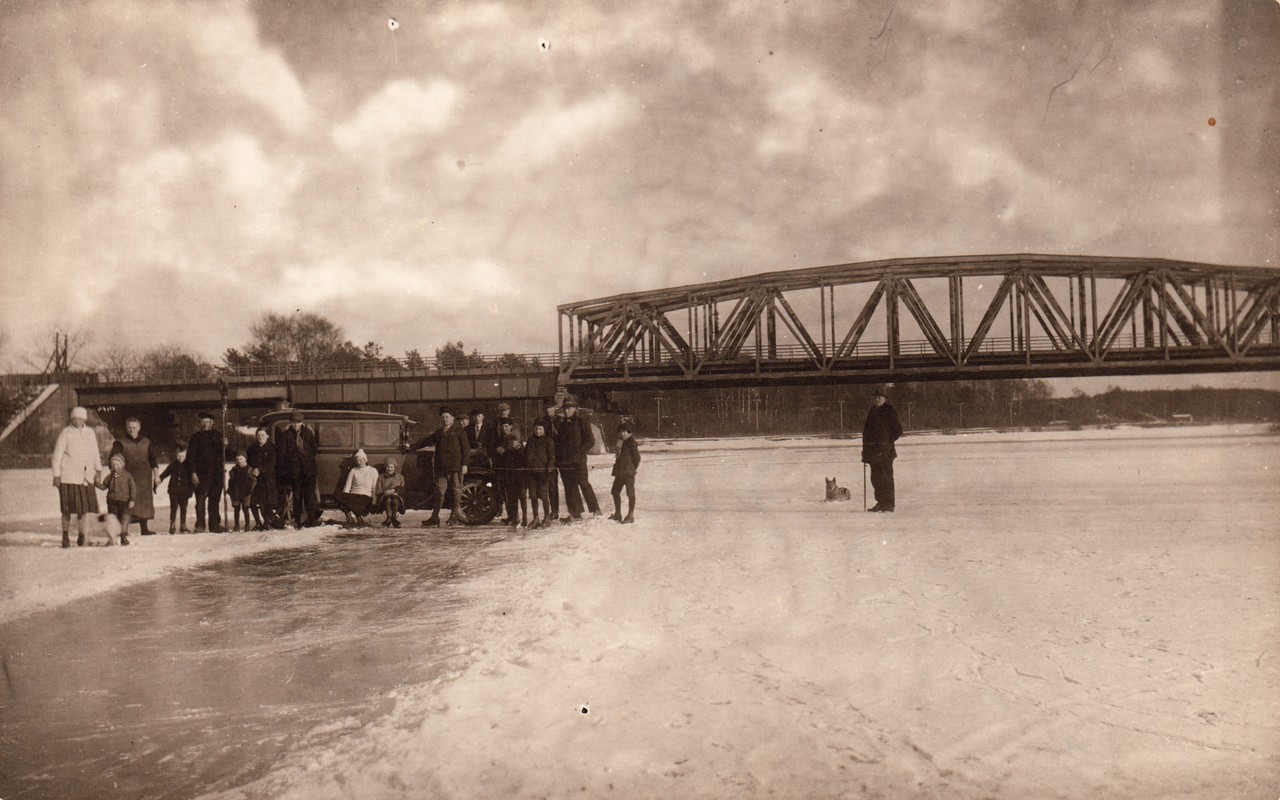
[
  {"x": 118, "y": 362},
  {"x": 55, "y": 349}
]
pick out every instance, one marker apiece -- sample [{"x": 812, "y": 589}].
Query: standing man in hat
[
  {"x": 205, "y": 451},
  {"x": 296, "y": 470},
  {"x": 551, "y": 428},
  {"x": 450, "y": 466},
  {"x": 573, "y": 442},
  {"x": 880, "y": 431}
]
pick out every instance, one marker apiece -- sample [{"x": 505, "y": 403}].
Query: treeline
[
  {"x": 303, "y": 339},
  {"x": 941, "y": 405}
]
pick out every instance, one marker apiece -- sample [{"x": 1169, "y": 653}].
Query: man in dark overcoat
[
  {"x": 551, "y": 427},
  {"x": 574, "y": 441},
  {"x": 205, "y": 454},
  {"x": 450, "y": 466},
  {"x": 881, "y": 430},
  {"x": 296, "y": 447}
]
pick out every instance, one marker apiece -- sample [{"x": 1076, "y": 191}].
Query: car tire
[{"x": 480, "y": 502}]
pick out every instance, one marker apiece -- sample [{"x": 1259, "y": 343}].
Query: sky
[{"x": 424, "y": 172}]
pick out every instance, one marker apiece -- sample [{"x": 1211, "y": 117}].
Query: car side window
[
  {"x": 379, "y": 434},
  {"x": 336, "y": 434}
]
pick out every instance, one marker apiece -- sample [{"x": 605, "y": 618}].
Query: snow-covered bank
[
  {"x": 1089, "y": 617},
  {"x": 36, "y": 573}
]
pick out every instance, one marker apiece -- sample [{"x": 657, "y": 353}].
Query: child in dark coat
[
  {"x": 240, "y": 489},
  {"x": 540, "y": 467},
  {"x": 625, "y": 465},
  {"x": 178, "y": 473},
  {"x": 510, "y": 460}
]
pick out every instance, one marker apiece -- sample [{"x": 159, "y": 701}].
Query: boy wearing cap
[
  {"x": 509, "y": 458},
  {"x": 625, "y": 465},
  {"x": 880, "y": 431},
  {"x": 540, "y": 466}
]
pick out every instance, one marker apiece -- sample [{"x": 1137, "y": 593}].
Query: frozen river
[
  {"x": 200, "y": 680},
  {"x": 1048, "y": 614}
]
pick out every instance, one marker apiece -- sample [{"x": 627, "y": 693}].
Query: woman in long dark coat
[
  {"x": 140, "y": 462},
  {"x": 262, "y": 465}
]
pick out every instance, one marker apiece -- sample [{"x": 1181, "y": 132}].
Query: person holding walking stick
[{"x": 881, "y": 430}]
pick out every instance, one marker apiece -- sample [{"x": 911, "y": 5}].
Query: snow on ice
[{"x": 1076, "y": 614}]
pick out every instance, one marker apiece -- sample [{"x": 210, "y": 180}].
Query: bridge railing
[
  {"x": 471, "y": 364},
  {"x": 1038, "y": 346}
]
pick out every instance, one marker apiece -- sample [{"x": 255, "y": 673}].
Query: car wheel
[{"x": 479, "y": 502}]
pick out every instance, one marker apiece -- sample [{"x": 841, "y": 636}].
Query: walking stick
[
  {"x": 222, "y": 386},
  {"x": 864, "y": 486}
]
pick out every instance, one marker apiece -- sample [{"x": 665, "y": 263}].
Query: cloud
[
  {"x": 397, "y": 118},
  {"x": 544, "y": 135}
]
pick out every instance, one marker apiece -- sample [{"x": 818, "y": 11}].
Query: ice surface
[{"x": 1056, "y": 614}]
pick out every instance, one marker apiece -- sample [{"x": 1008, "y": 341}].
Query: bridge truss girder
[{"x": 1081, "y": 315}]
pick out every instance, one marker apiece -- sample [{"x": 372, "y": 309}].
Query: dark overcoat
[
  {"x": 262, "y": 457},
  {"x": 540, "y": 454},
  {"x": 204, "y": 457},
  {"x": 627, "y": 460},
  {"x": 295, "y": 453},
  {"x": 881, "y": 430},
  {"x": 573, "y": 441},
  {"x": 452, "y": 449},
  {"x": 139, "y": 461}
]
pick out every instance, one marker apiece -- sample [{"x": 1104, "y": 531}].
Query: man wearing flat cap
[
  {"x": 449, "y": 463},
  {"x": 296, "y": 447},
  {"x": 205, "y": 456},
  {"x": 881, "y": 430}
]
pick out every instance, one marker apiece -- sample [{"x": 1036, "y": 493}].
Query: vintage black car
[{"x": 385, "y": 437}]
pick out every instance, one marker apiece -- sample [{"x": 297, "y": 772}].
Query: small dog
[
  {"x": 836, "y": 492},
  {"x": 108, "y": 524}
]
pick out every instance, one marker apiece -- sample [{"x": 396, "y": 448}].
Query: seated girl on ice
[{"x": 357, "y": 495}]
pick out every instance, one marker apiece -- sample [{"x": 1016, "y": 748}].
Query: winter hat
[
  {"x": 117, "y": 457},
  {"x": 80, "y": 412},
  {"x": 505, "y": 421},
  {"x": 361, "y": 453}
]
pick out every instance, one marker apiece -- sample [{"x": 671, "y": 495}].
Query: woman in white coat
[{"x": 76, "y": 464}]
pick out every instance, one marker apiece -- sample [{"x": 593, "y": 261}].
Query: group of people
[
  {"x": 527, "y": 467},
  {"x": 274, "y": 481}
]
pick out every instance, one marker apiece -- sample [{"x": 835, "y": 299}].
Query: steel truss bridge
[
  {"x": 881, "y": 321},
  {"x": 965, "y": 317}
]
